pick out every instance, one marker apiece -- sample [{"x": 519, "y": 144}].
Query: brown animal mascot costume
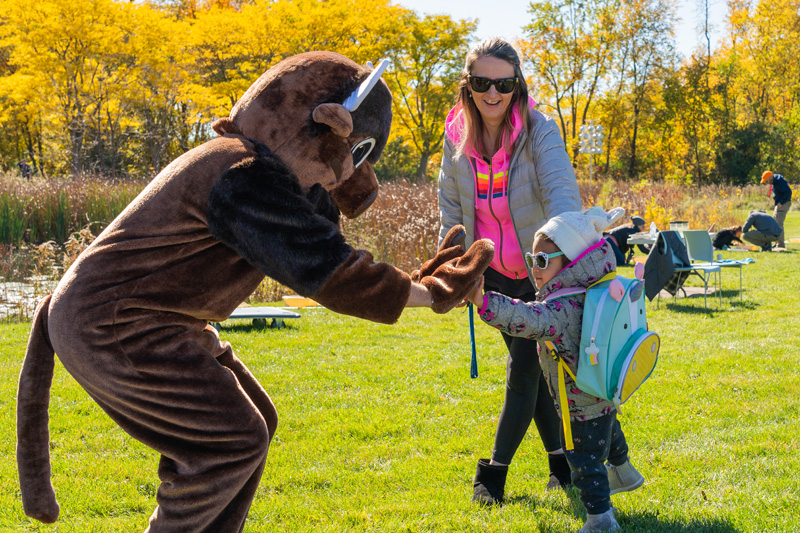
[{"x": 130, "y": 319}]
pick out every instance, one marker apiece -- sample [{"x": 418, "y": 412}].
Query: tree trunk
[
  {"x": 76, "y": 137},
  {"x": 632, "y": 165},
  {"x": 76, "y": 147},
  {"x": 29, "y": 147},
  {"x": 422, "y": 169},
  {"x": 609, "y": 138},
  {"x": 39, "y": 147}
]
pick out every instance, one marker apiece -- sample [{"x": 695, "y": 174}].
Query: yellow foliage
[
  {"x": 658, "y": 214},
  {"x": 122, "y": 66},
  {"x": 425, "y": 69}
]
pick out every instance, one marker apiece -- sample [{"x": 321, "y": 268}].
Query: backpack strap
[
  {"x": 592, "y": 350},
  {"x": 562, "y": 394},
  {"x": 566, "y": 291},
  {"x": 611, "y": 275},
  {"x": 569, "y": 291}
]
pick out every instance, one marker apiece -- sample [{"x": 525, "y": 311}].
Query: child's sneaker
[
  {"x": 600, "y": 522},
  {"x": 623, "y": 478}
]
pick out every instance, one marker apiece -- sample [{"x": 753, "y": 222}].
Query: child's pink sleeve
[{"x": 482, "y": 308}]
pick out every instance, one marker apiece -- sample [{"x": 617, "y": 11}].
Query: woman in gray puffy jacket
[{"x": 505, "y": 172}]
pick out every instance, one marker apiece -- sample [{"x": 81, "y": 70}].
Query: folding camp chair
[
  {"x": 677, "y": 249},
  {"x": 701, "y": 253}
]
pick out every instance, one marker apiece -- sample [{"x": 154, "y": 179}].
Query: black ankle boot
[
  {"x": 560, "y": 473},
  {"x": 489, "y": 483}
]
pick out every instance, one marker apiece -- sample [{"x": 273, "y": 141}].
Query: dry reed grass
[
  {"x": 400, "y": 228},
  {"x": 40, "y": 210},
  {"x": 661, "y": 202}
]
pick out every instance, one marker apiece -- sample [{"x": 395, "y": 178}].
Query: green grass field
[{"x": 381, "y": 426}]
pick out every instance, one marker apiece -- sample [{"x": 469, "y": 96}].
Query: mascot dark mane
[{"x": 130, "y": 319}]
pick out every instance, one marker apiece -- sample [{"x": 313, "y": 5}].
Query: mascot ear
[
  {"x": 335, "y": 116},
  {"x": 225, "y": 125}
]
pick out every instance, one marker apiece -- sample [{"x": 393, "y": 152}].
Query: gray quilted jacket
[
  {"x": 541, "y": 184},
  {"x": 558, "y": 321}
]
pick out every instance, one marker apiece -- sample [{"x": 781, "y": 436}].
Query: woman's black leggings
[{"x": 527, "y": 396}]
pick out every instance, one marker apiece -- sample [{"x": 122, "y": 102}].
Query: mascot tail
[{"x": 33, "y": 436}]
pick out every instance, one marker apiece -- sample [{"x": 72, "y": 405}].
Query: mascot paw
[
  {"x": 451, "y": 248},
  {"x": 452, "y": 281}
]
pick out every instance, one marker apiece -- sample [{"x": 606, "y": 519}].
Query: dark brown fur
[{"x": 130, "y": 319}]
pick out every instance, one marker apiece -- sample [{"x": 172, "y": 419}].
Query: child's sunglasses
[
  {"x": 481, "y": 85},
  {"x": 540, "y": 260}
]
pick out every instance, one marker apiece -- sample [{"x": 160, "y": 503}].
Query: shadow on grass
[
  {"x": 677, "y": 304},
  {"x": 649, "y": 521},
  {"x": 250, "y": 328},
  {"x": 732, "y": 306},
  {"x": 631, "y": 522},
  {"x": 731, "y": 301},
  {"x": 746, "y": 305}
]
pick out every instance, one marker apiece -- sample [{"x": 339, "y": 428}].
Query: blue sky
[{"x": 505, "y": 18}]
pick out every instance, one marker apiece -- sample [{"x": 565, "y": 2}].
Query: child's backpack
[{"x": 617, "y": 352}]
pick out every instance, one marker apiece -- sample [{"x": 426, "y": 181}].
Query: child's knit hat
[
  {"x": 575, "y": 231},
  {"x": 766, "y": 175},
  {"x": 637, "y": 221}
]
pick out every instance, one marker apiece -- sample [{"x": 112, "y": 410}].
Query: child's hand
[{"x": 476, "y": 296}]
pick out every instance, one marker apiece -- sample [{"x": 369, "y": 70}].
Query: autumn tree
[
  {"x": 76, "y": 50},
  {"x": 426, "y": 67},
  {"x": 181, "y": 9},
  {"x": 261, "y": 33},
  {"x": 132, "y": 84},
  {"x": 647, "y": 51},
  {"x": 157, "y": 94},
  {"x": 122, "y": 87},
  {"x": 765, "y": 39},
  {"x": 570, "y": 44}
]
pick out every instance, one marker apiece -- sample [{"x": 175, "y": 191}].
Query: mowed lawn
[{"x": 381, "y": 426}]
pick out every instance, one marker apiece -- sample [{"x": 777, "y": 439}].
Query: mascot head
[{"x": 326, "y": 117}]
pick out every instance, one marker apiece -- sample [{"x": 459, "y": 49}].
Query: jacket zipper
[{"x": 491, "y": 210}]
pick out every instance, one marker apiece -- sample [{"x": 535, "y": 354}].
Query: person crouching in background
[
  {"x": 726, "y": 237},
  {"x": 618, "y": 237}
]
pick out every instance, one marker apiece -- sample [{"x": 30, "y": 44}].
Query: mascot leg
[
  {"x": 253, "y": 389},
  {"x": 177, "y": 398}
]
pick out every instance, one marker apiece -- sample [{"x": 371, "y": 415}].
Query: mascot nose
[
  {"x": 354, "y": 195},
  {"x": 368, "y": 201}
]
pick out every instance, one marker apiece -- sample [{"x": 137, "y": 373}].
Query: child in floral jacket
[{"x": 569, "y": 251}]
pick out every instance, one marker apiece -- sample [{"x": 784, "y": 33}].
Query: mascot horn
[{"x": 130, "y": 319}]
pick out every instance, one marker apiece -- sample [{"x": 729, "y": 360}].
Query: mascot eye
[{"x": 362, "y": 150}]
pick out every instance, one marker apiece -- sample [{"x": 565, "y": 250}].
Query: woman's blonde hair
[{"x": 472, "y": 134}]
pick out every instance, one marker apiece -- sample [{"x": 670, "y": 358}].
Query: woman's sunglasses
[
  {"x": 540, "y": 259},
  {"x": 481, "y": 85}
]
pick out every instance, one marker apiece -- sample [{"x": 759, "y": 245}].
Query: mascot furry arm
[{"x": 129, "y": 320}]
